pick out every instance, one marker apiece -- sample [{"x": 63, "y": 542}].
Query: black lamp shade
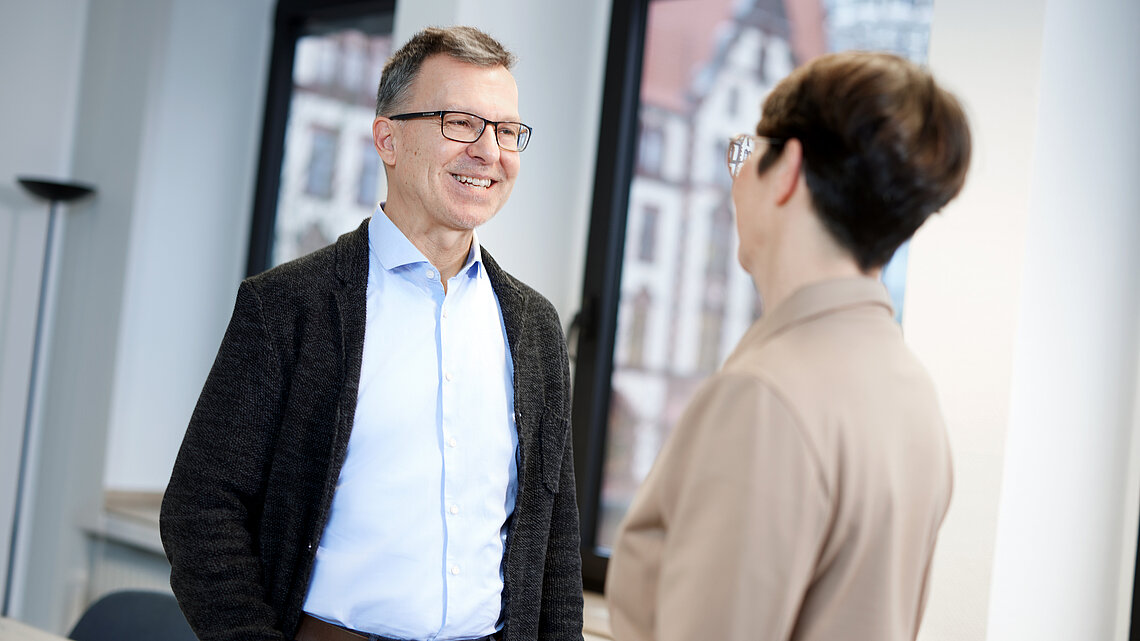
[{"x": 54, "y": 190}]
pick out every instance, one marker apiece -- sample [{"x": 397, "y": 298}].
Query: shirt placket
[{"x": 452, "y": 510}]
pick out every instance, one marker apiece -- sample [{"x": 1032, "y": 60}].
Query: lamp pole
[{"x": 55, "y": 192}]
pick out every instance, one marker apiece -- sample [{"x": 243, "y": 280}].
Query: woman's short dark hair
[
  {"x": 466, "y": 44},
  {"x": 884, "y": 147}
]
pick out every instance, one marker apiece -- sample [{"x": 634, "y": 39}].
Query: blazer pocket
[{"x": 555, "y": 431}]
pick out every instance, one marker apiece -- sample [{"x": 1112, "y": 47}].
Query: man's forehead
[{"x": 453, "y": 84}]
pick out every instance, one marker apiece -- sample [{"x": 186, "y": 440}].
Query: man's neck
[{"x": 445, "y": 249}]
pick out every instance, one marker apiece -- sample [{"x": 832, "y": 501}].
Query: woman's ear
[{"x": 786, "y": 171}]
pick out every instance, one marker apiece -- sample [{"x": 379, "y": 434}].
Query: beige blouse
[{"x": 800, "y": 495}]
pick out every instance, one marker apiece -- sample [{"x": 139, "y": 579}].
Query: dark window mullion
[{"x": 600, "y": 290}]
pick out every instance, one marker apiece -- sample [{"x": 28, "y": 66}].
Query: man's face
[{"x": 431, "y": 176}]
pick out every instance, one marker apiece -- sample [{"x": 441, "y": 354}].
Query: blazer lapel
[
  {"x": 528, "y": 392},
  {"x": 350, "y": 293},
  {"x": 511, "y": 301}
]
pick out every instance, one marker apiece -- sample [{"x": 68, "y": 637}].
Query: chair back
[{"x": 133, "y": 615}]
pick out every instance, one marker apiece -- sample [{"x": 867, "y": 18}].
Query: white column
[
  {"x": 963, "y": 286},
  {"x": 1064, "y": 556},
  {"x": 1024, "y": 301}
]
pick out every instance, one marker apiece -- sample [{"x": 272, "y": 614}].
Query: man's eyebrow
[{"x": 514, "y": 118}]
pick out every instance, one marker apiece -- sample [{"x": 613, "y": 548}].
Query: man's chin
[{"x": 469, "y": 218}]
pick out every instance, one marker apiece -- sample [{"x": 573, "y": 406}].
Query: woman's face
[{"x": 751, "y": 194}]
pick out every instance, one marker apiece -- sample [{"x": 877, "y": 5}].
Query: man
[
  {"x": 381, "y": 449},
  {"x": 801, "y": 493}
]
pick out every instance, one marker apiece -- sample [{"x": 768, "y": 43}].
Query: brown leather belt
[{"x": 314, "y": 629}]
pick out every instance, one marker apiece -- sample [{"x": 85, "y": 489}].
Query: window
[
  {"x": 651, "y": 149},
  {"x": 322, "y": 163},
  {"x": 715, "y": 168},
  {"x": 647, "y": 244},
  {"x": 638, "y": 326},
  {"x": 703, "y": 66},
  {"x": 326, "y": 61},
  {"x": 367, "y": 191},
  {"x": 721, "y": 251}
]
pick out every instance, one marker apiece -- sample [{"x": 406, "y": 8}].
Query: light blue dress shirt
[{"x": 414, "y": 543}]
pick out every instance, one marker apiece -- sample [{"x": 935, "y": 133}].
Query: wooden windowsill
[
  {"x": 596, "y": 618},
  {"x": 130, "y": 518}
]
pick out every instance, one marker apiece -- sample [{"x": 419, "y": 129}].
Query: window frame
[
  {"x": 1134, "y": 625},
  {"x": 596, "y": 323},
  {"x": 291, "y": 18}
]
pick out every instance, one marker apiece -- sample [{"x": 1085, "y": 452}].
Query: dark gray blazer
[{"x": 255, "y": 476}]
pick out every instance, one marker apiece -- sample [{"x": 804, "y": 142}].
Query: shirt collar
[
  {"x": 393, "y": 249},
  {"x": 820, "y": 299}
]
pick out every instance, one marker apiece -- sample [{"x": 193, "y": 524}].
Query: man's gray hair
[{"x": 466, "y": 44}]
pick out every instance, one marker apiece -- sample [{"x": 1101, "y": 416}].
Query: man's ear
[
  {"x": 787, "y": 170},
  {"x": 383, "y": 138}
]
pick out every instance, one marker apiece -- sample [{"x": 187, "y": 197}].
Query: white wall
[
  {"x": 167, "y": 127},
  {"x": 1022, "y": 301},
  {"x": 189, "y": 230},
  {"x": 963, "y": 282},
  {"x": 40, "y": 46},
  {"x": 1057, "y": 564},
  {"x": 90, "y": 287}
]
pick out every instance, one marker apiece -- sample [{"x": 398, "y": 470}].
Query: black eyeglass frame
[{"x": 525, "y": 131}]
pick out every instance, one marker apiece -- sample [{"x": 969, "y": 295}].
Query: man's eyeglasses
[
  {"x": 740, "y": 148},
  {"x": 461, "y": 126}
]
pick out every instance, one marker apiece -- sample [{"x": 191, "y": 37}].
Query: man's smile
[{"x": 473, "y": 181}]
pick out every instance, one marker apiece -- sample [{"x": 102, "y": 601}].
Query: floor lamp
[{"x": 54, "y": 192}]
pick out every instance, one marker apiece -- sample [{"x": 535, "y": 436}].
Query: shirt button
[
  {"x": 430, "y": 274},
  {"x": 451, "y": 442},
  {"x": 445, "y": 312},
  {"x": 447, "y": 375},
  {"x": 454, "y": 509},
  {"x": 455, "y": 569}
]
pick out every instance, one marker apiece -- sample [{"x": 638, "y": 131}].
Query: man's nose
[{"x": 485, "y": 146}]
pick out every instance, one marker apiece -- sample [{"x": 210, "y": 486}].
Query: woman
[{"x": 801, "y": 493}]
